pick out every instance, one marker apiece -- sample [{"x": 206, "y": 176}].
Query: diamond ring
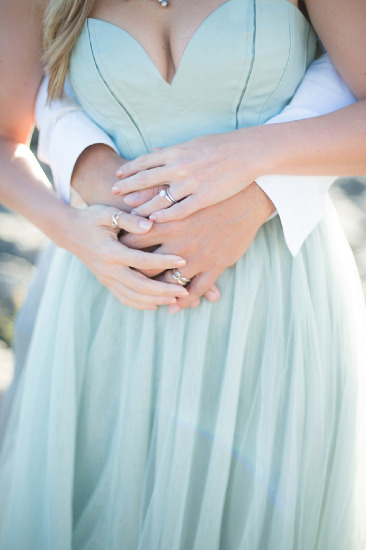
[{"x": 166, "y": 193}]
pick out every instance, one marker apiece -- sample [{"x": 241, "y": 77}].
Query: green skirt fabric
[{"x": 234, "y": 426}]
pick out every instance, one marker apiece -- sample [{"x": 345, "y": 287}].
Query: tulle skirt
[{"x": 238, "y": 425}]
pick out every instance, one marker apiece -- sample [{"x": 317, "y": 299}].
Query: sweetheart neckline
[
  {"x": 186, "y": 48},
  {"x": 190, "y": 41}
]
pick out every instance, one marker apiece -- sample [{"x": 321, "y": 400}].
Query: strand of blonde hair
[{"x": 63, "y": 23}]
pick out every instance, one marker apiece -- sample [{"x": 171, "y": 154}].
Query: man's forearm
[{"x": 299, "y": 202}]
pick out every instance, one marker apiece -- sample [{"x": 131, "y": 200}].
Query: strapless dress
[{"x": 238, "y": 425}]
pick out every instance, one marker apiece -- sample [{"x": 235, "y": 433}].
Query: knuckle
[
  {"x": 181, "y": 170},
  {"x": 173, "y": 153},
  {"x": 142, "y": 161},
  {"x": 184, "y": 250}
]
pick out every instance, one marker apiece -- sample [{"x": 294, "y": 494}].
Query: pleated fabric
[{"x": 237, "y": 425}]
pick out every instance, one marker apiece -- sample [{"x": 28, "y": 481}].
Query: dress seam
[
  {"x": 111, "y": 92},
  {"x": 245, "y": 87}
]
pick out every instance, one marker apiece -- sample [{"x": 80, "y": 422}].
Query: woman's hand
[
  {"x": 199, "y": 173},
  {"x": 210, "y": 241},
  {"x": 92, "y": 177},
  {"x": 94, "y": 240}
]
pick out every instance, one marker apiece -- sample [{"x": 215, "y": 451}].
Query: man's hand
[
  {"x": 210, "y": 241},
  {"x": 94, "y": 175}
]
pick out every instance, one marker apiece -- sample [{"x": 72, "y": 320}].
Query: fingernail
[
  {"x": 212, "y": 295},
  {"x": 145, "y": 224},
  {"x": 180, "y": 263},
  {"x": 133, "y": 212},
  {"x": 115, "y": 189},
  {"x": 171, "y": 301},
  {"x": 131, "y": 198},
  {"x": 182, "y": 293},
  {"x": 173, "y": 309},
  {"x": 153, "y": 217},
  {"x": 119, "y": 173}
]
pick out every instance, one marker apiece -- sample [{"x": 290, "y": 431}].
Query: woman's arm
[
  {"x": 299, "y": 200},
  {"x": 212, "y": 168},
  {"x": 89, "y": 234},
  {"x": 90, "y": 159},
  {"x": 23, "y": 184}
]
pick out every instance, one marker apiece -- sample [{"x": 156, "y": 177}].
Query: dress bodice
[{"x": 241, "y": 67}]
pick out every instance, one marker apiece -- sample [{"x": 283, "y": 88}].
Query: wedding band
[
  {"x": 115, "y": 219},
  {"x": 179, "y": 278},
  {"x": 165, "y": 193}
]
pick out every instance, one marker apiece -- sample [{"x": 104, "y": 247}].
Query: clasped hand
[
  {"x": 210, "y": 241},
  {"x": 199, "y": 173},
  {"x": 94, "y": 240}
]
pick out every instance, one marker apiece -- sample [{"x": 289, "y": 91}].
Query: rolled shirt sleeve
[
  {"x": 300, "y": 200},
  {"x": 65, "y": 131}
]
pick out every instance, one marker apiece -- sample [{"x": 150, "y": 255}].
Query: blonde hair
[{"x": 63, "y": 23}]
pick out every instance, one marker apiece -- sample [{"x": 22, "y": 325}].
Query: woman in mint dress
[{"x": 235, "y": 425}]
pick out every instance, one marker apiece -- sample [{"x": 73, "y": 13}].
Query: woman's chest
[
  {"x": 240, "y": 67},
  {"x": 163, "y": 33}
]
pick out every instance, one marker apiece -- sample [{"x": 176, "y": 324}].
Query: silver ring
[
  {"x": 115, "y": 219},
  {"x": 179, "y": 278},
  {"x": 165, "y": 193}
]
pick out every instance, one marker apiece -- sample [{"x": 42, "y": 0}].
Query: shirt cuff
[{"x": 299, "y": 201}]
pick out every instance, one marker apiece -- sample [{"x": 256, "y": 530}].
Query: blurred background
[{"x": 20, "y": 244}]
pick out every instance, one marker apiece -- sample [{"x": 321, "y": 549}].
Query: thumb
[{"x": 212, "y": 294}]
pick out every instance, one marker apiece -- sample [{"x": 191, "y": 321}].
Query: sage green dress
[{"x": 238, "y": 425}]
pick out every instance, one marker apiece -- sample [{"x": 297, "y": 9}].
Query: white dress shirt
[{"x": 66, "y": 131}]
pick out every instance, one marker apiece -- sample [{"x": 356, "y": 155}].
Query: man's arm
[
  {"x": 300, "y": 200},
  {"x": 66, "y": 132}
]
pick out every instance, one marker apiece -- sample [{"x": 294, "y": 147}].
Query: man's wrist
[
  {"x": 265, "y": 207},
  {"x": 95, "y": 173}
]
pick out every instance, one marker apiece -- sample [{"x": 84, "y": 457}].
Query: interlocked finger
[
  {"x": 143, "y": 285},
  {"x": 144, "y": 179},
  {"x": 118, "y": 219},
  {"x": 163, "y": 200},
  {"x": 201, "y": 284},
  {"x": 182, "y": 209},
  {"x": 147, "y": 260},
  {"x": 143, "y": 162},
  {"x": 138, "y": 198},
  {"x": 176, "y": 276},
  {"x": 179, "y": 278}
]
